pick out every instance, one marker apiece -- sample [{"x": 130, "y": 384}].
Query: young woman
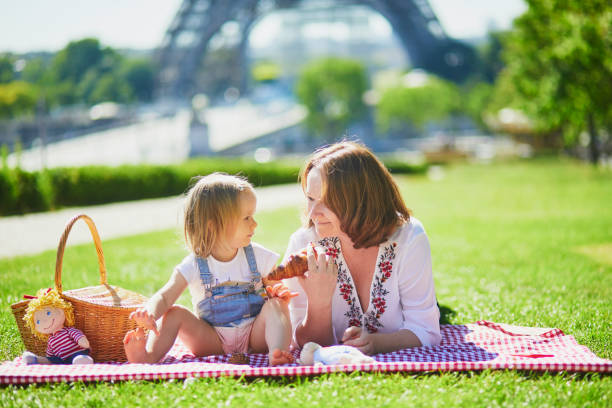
[{"x": 371, "y": 286}]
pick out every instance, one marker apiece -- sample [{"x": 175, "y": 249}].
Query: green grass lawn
[{"x": 526, "y": 243}]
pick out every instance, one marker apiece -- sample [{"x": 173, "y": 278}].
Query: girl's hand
[
  {"x": 319, "y": 283},
  {"x": 83, "y": 342},
  {"x": 280, "y": 291},
  {"x": 143, "y": 318},
  {"x": 360, "y": 339}
]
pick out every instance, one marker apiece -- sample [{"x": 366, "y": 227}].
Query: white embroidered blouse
[{"x": 402, "y": 294}]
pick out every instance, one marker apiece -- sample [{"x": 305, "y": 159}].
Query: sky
[{"x": 48, "y": 25}]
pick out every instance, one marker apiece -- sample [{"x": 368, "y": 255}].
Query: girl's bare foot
[
  {"x": 134, "y": 344},
  {"x": 278, "y": 357}
]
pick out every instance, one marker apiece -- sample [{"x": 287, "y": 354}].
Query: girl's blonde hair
[
  {"x": 47, "y": 298},
  {"x": 212, "y": 207}
]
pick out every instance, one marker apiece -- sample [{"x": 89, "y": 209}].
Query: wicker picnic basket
[{"x": 100, "y": 312}]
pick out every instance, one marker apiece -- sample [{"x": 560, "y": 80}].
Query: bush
[
  {"x": 332, "y": 90},
  {"x": 432, "y": 100},
  {"x": 8, "y": 193},
  {"x": 23, "y": 192}
]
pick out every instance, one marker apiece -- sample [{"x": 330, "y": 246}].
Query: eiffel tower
[{"x": 196, "y": 22}]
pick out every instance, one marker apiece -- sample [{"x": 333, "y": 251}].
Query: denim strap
[
  {"x": 250, "y": 255},
  {"x": 205, "y": 274}
]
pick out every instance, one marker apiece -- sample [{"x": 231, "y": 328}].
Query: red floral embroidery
[
  {"x": 379, "y": 292},
  {"x": 345, "y": 284},
  {"x": 347, "y": 289},
  {"x": 333, "y": 252}
]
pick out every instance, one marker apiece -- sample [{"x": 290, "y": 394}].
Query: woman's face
[{"x": 325, "y": 221}]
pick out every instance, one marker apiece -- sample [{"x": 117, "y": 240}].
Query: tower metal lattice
[{"x": 197, "y": 21}]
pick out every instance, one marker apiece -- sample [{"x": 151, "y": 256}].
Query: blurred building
[{"x": 294, "y": 36}]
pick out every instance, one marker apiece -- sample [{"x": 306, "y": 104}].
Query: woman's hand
[
  {"x": 280, "y": 291},
  {"x": 143, "y": 318},
  {"x": 320, "y": 281},
  {"x": 360, "y": 339}
]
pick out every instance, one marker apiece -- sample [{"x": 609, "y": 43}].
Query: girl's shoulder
[
  {"x": 266, "y": 258},
  {"x": 188, "y": 268},
  {"x": 188, "y": 260}
]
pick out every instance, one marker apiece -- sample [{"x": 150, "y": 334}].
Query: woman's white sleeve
[{"x": 417, "y": 293}]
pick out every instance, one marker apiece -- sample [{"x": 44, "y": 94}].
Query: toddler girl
[{"x": 223, "y": 276}]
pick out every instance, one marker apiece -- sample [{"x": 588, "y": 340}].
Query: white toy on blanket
[{"x": 313, "y": 354}]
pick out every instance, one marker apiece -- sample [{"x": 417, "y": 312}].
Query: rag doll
[
  {"x": 313, "y": 354},
  {"x": 50, "y": 317}
]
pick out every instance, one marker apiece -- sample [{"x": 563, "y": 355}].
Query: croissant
[{"x": 296, "y": 265}]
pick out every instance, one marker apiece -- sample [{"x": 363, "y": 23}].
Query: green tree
[
  {"x": 17, "y": 98},
  {"x": 7, "y": 72},
  {"x": 110, "y": 87},
  {"x": 77, "y": 70},
  {"x": 332, "y": 90},
  {"x": 430, "y": 99},
  {"x": 73, "y": 62},
  {"x": 36, "y": 71},
  {"x": 559, "y": 65},
  {"x": 85, "y": 72},
  {"x": 490, "y": 59},
  {"x": 477, "y": 99},
  {"x": 140, "y": 76}
]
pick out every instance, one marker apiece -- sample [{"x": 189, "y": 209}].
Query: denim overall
[{"x": 229, "y": 305}]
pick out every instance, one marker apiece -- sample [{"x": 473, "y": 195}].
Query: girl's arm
[
  {"x": 160, "y": 302},
  {"x": 167, "y": 295}
]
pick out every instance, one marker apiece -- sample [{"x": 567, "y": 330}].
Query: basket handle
[{"x": 62, "y": 246}]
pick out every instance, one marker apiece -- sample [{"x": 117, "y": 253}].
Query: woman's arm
[
  {"x": 419, "y": 310},
  {"x": 310, "y": 311},
  {"x": 318, "y": 285},
  {"x": 315, "y": 327},
  {"x": 374, "y": 343},
  {"x": 417, "y": 292}
]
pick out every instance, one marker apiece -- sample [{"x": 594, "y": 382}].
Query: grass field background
[{"x": 527, "y": 243}]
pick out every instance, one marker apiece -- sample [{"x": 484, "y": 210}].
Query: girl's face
[
  {"x": 326, "y": 223},
  {"x": 244, "y": 227},
  {"x": 49, "y": 319}
]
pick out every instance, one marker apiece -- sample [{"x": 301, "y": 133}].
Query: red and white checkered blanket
[{"x": 478, "y": 346}]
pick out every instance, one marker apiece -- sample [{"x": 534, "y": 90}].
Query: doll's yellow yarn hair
[{"x": 47, "y": 298}]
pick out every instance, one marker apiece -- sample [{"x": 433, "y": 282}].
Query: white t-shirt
[
  {"x": 235, "y": 270},
  {"x": 402, "y": 294}
]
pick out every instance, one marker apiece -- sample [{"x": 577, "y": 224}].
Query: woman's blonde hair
[
  {"x": 359, "y": 190},
  {"x": 211, "y": 208},
  {"x": 47, "y": 298}
]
